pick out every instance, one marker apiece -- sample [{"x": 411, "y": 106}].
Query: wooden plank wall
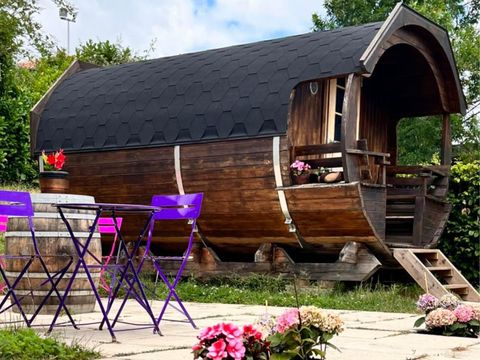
[
  {"x": 329, "y": 217},
  {"x": 434, "y": 220},
  {"x": 307, "y": 111},
  {"x": 374, "y": 123},
  {"x": 240, "y": 210}
]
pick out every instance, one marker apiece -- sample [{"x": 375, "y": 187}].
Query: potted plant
[
  {"x": 303, "y": 334},
  {"x": 300, "y": 172},
  {"x": 297, "y": 334},
  {"x": 52, "y": 178},
  {"x": 230, "y": 342},
  {"x": 448, "y": 316}
]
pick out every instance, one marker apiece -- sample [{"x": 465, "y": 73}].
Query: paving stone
[{"x": 368, "y": 335}]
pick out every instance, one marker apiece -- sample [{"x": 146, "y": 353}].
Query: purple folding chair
[
  {"x": 175, "y": 207},
  {"x": 3, "y": 228},
  {"x": 19, "y": 204},
  {"x": 107, "y": 226}
]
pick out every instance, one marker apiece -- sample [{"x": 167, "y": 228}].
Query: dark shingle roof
[{"x": 233, "y": 92}]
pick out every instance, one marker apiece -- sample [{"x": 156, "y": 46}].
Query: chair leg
[
  {"x": 54, "y": 289},
  {"x": 173, "y": 292},
  {"x": 11, "y": 291},
  {"x": 104, "y": 284}
]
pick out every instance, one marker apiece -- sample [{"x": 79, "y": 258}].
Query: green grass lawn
[
  {"x": 26, "y": 344},
  {"x": 258, "y": 289}
]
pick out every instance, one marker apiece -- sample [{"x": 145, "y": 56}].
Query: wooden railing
[
  {"x": 368, "y": 161},
  {"x": 314, "y": 155},
  {"x": 418, "y": 180},
  {"x": 329, "y": 156},
  {"x": 417, "y": 185}
]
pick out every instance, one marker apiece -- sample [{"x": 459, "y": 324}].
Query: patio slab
[{"x": 368, "y": 335}]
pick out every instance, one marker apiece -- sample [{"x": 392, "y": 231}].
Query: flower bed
[
  {"x": 448, "y": 316},
  {"x": 296, "y": 334}
]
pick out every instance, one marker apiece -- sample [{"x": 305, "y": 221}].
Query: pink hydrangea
[
  {"x": 286, "y": 320},
  {"x": 476, "y": 312},
  {"x": 464, "y": 313},
  {"x": 217, "y": 350},
  {"x": 440, "y": 317}
]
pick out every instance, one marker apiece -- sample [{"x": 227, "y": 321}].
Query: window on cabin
[
  {"x": 333, "y": 113},
  {"x": 316, "y": 112}
]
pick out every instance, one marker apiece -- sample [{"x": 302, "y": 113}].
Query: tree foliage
[
  {"x": 460, "y": 241},
  {"x": 21, "y": 35},
  {"x": 461, "y": 20},
  {"x": 105, "y": 53}
]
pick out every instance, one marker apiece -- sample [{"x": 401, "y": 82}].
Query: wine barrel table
[{"x": 53, "y": 239}]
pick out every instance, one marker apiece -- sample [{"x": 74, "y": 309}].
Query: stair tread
[
  {"x": 399, "y": 217},
  {"x": 421, "y": 264},
  {"x": 426, "y": 251},
  {"x": 400, "y": 245},
  {"x": 439, "y": 268},
  {"x": 455, "y": 286},
  {"x": 401, "y": 197}
]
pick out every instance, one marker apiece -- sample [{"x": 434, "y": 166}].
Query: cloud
[{"x": 182, "y": 25}]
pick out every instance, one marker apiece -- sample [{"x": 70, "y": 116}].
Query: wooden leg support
[{"x": 366, "y": 264}]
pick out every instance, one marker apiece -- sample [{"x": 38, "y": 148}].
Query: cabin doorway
[{"x": 419, "y": 140}]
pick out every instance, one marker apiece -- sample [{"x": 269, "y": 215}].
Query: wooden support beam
[
  {"x": 446, "y": 150},
  {"x": 349, "y": 253},
  {"x": 418, "y": 220},
  {"x": 349, "y": 127},
  {"x": 264, "y": 253}
]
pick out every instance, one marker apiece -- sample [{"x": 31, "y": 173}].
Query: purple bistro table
[{"x": 128, "y": 273}]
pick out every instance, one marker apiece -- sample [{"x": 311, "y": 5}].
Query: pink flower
[
  {"x": 210, "y": 332},
  {"x": 217, "y": 350},
  {"x": 439, "y": 317},
  {"x": 236, "y": 349},
  {"x": 197, "y": 347},
  {"x": 286, "y": 320},
  {"x": 231, "y": 331},
  {"x": 250, "y": 330},
  {"x": 300, "y": 166},
  {"x": 464, "y": 313}
]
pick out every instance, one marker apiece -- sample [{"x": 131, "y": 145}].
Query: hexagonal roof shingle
[{"x": 226, "y": 93}]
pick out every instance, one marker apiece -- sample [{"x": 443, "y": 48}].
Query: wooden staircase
[{"x": 431, "y": 269}]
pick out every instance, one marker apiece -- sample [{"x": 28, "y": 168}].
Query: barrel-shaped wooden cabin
[{"x": 228, "y": 122}]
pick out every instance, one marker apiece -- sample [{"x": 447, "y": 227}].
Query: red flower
[
  {"x": 51, "y": 159},
  {"x": 59, "y": 160},
  {"x": 54, "y": 161}
]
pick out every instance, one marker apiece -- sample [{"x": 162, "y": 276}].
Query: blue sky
[{"x": 180, "y": 26}]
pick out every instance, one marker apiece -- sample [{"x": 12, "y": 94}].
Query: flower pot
[
  {"x": 54, "y": 182},
  {"x": 301, "y": 179}
]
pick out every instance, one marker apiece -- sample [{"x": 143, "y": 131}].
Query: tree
[
  {"x": 19, "y": 33},
  {"x": 461, "y": 20},
  {"x": 105, "y": 53}
]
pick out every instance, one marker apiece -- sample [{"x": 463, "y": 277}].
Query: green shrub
[
  {"x": 23, "y": 344},
  {"x": 460, "y": 241}
]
